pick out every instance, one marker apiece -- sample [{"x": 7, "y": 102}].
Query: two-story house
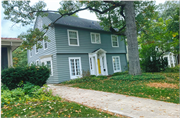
[{"x": 78, "y": 45}]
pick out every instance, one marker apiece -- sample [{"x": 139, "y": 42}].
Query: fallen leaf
[{"x": 48, "y": 113}]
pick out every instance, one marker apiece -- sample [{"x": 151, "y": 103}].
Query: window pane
[
  {"x": 93, "y": 38},
  {"x": 72, "y": 34},
  {"x": 115, "y": 44},
  {"x": 45, "y": 45},
  {"x": 97, "y": 38},
  {"x": 73, "y": 41},
  {"x": 116, "y": 63},
  {"x": 49, "y": 65},
  {"x": 42, "y": 63},
  {"x": 77, "y": 67}
]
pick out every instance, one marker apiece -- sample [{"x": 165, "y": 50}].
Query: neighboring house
[
  {"x": 8, "y": 45},
  {"x": 171, "y": 58},
  {"x": 78, "y": 45}
]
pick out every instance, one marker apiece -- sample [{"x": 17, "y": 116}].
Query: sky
[{"x": 12, "y": 30}]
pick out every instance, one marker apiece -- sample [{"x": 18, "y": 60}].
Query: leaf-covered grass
[
  {"x": 33, "y": 101},
  {"x": 144, "y": 76},
  {"x": 53, "y": 108},
  {"x": 138, "y": 87}
]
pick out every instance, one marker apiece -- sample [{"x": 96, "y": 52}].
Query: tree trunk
[{"x": 131, "y": 33}]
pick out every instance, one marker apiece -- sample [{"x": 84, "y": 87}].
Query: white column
[
  {"x": 105, "y": 64},
  {"x": 169, "y": 61},
  {"x": 10, "y": 55},
  {"x": 173, "y": 60}
]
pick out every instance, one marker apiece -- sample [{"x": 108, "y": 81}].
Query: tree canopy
[{"x": 119, "y": 17}]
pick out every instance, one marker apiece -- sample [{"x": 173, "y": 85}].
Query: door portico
[{"x": 98, "y": 63}]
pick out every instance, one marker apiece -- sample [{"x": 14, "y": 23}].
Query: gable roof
[{"x": 75, "y": 21}]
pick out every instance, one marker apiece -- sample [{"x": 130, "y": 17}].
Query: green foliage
[
  {"x": 151, "y": 61},
  {"x": 22, "y": 11},
  {"x": 173, "y": 69},
  {"x": 29, "y": 93},
  {"x": 120, "y": 73},
  {"x": 36, "y": 75},
  {"x": 144, "y": 76},
  {"x": 19, "y": 57}
]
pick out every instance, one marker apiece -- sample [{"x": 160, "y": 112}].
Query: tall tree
[
  {"x": 120, "y": 17},
  {"x": 19, "y": 57}
]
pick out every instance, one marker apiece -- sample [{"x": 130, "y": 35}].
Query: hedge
[{"x": 36, "y": 75}]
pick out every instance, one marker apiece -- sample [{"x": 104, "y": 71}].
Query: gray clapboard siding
[
  {"x": 123, "y": 62},
  {"x": 50, "y": 51},
  {"x": 63, "y": 65},
  {"x": 85, "y": 45}
]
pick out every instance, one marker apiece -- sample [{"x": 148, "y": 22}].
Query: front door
[
  {"x": 99, "y": 66},
  {"x": 97, "y": 63}
]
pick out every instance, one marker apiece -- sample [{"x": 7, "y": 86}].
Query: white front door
[{"x": 98, "y": 64}]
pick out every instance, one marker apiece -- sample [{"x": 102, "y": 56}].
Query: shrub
[
  {"x": 36, "y": 75},
  {"x": 120, "y": 73},
  {"x": 144, "y": 76},
  {"x": 174, "y": 69},
  {"x": 21, "y": 95}
]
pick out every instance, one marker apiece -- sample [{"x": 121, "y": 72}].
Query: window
[
  {"x": 75, "y": 67},
  {"x": 114, "y": 39},
  {"x": 45, "y": 44},
  {"x": 73, "y": 38},
  {"x": 36, "y": 50},
  {"x": 48, "y": 62},
  {"x": 37, "y": 62},
  {"x": 116, "y": 64},
  {"x": 95, "y": 38}
]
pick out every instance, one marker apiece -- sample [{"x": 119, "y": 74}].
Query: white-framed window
[
  {"x": 30, "y": 53},
  {"x": 75, "y": 67},
  {"x": 48, "y": 61},
  {"x": 116, "y": 64},
  {"x": 95, "y": 38},
  {"x": 45, "y": 45},
  {"x": 73, "y": 38},
  {"x": 36, "y": 50},
  {"x": 114, "y": 40}
]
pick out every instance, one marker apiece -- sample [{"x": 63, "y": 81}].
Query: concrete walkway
[{"x": 121, "y": 104}]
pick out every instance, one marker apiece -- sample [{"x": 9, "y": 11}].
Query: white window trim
[
  {"x": 35, "y": 50},
  {"x": 77, "y": 76},
  {"x": 95, "y": 38},
  {"x": 117, "y": 41},
  {"x": 30, "y": 51},
  {"x": 119, "y": 64},
  {"x": 69, "y": 37},
  {"x": 48, "y": 59}
]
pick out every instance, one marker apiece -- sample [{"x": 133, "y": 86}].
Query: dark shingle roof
[{"x": 74, "y": 21}]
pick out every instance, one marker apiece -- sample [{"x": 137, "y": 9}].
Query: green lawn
[
  {"x": 135, "y": 87},
  {"x": 51, "y": 109}
]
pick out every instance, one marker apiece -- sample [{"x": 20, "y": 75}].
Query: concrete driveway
[{"x": 121, "y": 104}]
